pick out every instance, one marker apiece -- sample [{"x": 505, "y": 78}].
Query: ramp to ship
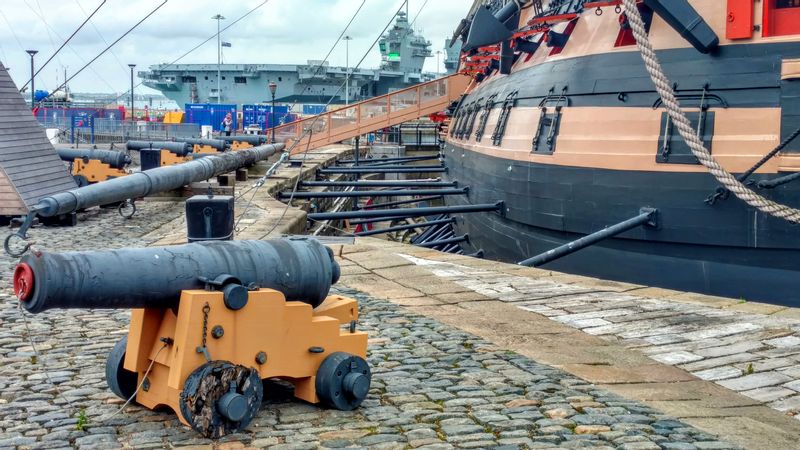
[
  {"x": 29, "y": 165},
  {"x": 372, "y": 115}
]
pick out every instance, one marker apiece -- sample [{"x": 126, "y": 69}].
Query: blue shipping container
[
  {"x": 255, "y": 115},
  {"x": 209, "y": 114},
  {"x": 262, "y": 116},
  {"x": 312, "y": 110}
]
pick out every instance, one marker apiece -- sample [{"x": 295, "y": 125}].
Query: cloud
[{"x": 281, "y": 32}]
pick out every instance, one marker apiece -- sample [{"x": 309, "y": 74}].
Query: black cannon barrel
[
  {"x": 160, "y": 179},
  {"x": 252, "y": 139},
  {"x": 179, "y": 148},
  {"x": 216, "y": 144},
  {"x": 436, "y": 182},
  {"x": 384, "y": 193},
  {"x": 301, "y": 268},
  {"x": 113, "y": 158}
]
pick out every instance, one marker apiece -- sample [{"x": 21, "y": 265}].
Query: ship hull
[{"x": 726, "y": 250}]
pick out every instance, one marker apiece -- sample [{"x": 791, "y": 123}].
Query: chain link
[{"x": 206, "y": 310}]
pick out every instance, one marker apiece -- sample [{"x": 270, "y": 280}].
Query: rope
[{"x": 664, "y": 88}]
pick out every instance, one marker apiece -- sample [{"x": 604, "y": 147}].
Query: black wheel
[
  {"x": 220, "y": 398},
  {"x": 343, "y": 381},
  {"x": 121, "y": 382},
  {"x": 81, "y": 180}
]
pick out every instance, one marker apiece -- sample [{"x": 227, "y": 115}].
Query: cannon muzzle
[
  {"x": 301, "y": 268},
  {"x": 115, "y": 159}
]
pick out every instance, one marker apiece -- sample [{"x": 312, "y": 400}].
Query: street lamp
[
  {"x": 438, "y": 55},
  {"x": 133, "y": 115},
  {"x": 273, "y": 87},
  {"x": 347, "y": 40},
  {"x": 33, "y": 91},
  {"x": 219, "y": 17}
]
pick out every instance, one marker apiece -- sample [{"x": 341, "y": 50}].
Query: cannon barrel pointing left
[
  {"x": 303, "y": 269},
  {"x": 140, "y": 184},
  {"x": 161, "y": 179},
  {"x": 115, "y": 159}
]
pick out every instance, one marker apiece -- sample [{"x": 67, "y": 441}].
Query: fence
[{"x": 104, "y": 131}]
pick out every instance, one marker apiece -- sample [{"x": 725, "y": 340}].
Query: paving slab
[{"x": 658, "y": 346}]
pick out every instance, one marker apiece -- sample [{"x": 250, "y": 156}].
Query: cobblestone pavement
[
  {"x": 434, "y": 386},
  {"x": 755, "y": 354}
]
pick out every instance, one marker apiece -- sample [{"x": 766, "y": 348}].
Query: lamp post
[
  {"x": 273, "y": 87},
  {"x": 219, "y": 17},
  {"x": 347, "y": 40},
  {"x": 133, "y": 109},
  {"x": 438, "y": 55},
  {"x": 33, "y": 91}
]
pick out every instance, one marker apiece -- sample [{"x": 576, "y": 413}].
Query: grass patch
[{"x": 82, "y": 420}]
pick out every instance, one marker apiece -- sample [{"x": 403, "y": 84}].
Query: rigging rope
[
  {"x": 104, "y": 50},
  {"x": 664, "y": 88},
  {"x": 125, "y": 94},
  {"x": 63, "y": 44}
]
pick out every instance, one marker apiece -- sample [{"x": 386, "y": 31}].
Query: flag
[{"x": 226, "y": 44}]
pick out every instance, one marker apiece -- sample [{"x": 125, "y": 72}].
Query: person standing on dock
[{"x": 227, "y": 124}]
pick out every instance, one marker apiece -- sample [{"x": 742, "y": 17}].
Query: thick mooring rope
[{"x": 664, "y": 88}]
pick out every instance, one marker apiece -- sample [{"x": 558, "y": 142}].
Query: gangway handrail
[{"x": 372, "y": 115}]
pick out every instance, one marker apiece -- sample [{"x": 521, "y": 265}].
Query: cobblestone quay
[{"x": 434, "y": 386}]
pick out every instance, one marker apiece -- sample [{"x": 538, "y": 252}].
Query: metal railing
[
  {"x": 372, "y": 115},
  {"x": 103, "y": 131}
]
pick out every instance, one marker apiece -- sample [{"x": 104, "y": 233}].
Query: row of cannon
[{"x": 89, "y": 166}]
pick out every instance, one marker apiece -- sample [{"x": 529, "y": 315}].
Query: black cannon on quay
[{"x": 211, "y": 321}]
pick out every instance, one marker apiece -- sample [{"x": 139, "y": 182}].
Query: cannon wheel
[
  {"x": 121, "y": 382},
  {"x": 81, "y": 180},
  {"x": 220, "y": 398},
  {"x": 343, "y": 381}
]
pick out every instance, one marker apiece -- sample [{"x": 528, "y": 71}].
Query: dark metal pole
[
  {"x": 366, "y": 169},
  {"x": 402, "y": 202},
  {"x": 396, "y": 162},
  {"x": 429, "y": 231},
  {"x": 358, "y": 151},
  {"x": 133, "y": 106},
  {"x": 646, "y": 217},
  {"x": 775, "y": 182},
  {"x": 386, "y": 160},
  {"x": 33, "y": 88},
  {"x": 381, "y": 170},
  {"x": 386, "y": 193},
  {"x": 406, "y": 227},
  {"x": 407, "y": 212},
  {"x": 365, "y": 183},
  {"x": 455, "y": 240},
  {"x": 478, "y": 254},
  {"x": 439, "y": 233}
]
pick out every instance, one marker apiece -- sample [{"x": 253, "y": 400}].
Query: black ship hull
[{"x": 726, "y": 249}]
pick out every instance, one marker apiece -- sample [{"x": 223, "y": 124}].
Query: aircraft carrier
[{"x": 403, "y": 54}]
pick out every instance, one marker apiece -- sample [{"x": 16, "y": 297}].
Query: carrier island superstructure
[{"x": 403, "y": 54}]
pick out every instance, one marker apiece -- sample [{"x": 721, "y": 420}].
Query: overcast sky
[{"x": 281, "y": 31}]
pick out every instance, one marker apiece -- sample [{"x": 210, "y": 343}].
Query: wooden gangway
[{"x": 371, "y": 115}]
